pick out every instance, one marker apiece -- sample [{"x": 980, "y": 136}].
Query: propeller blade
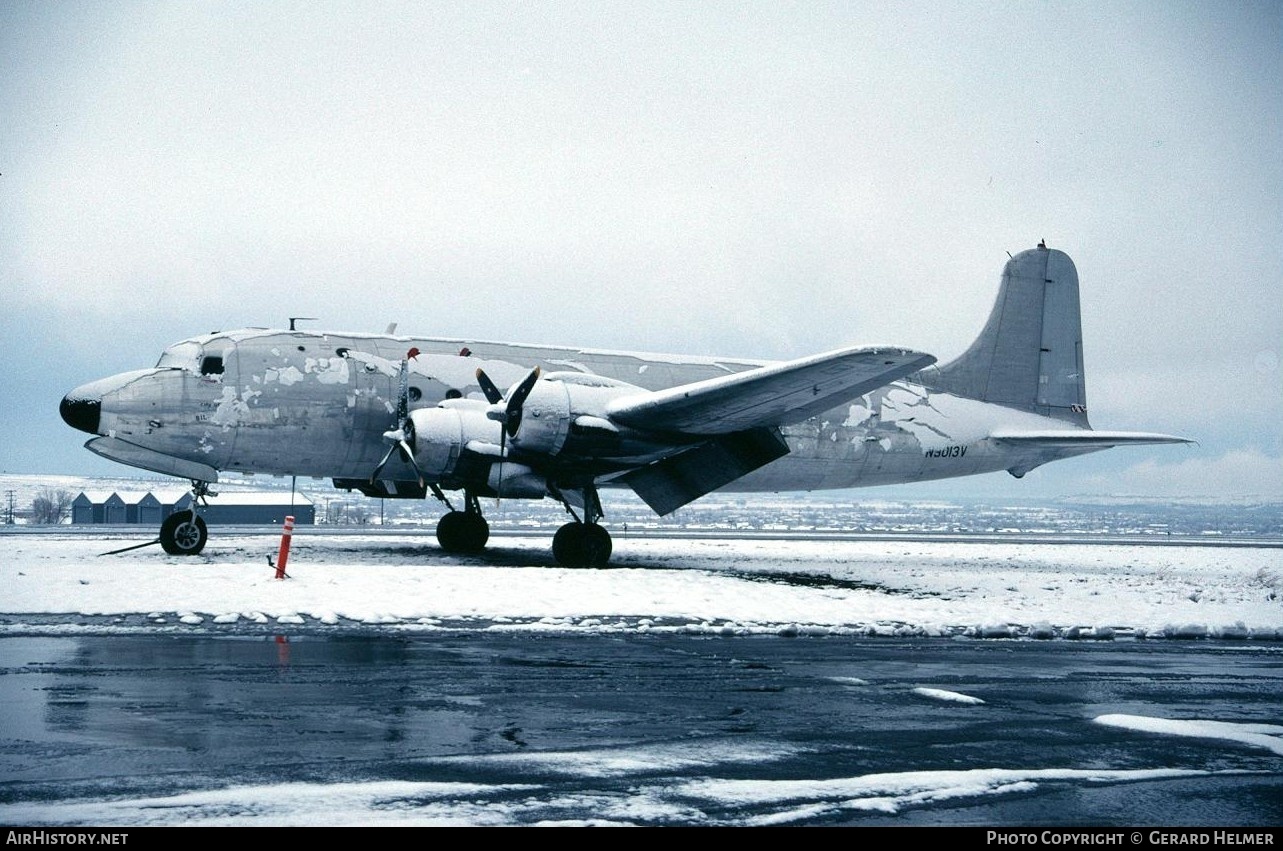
[
  {"x": 403, "y": 400},
  {"x": 493, "y": 396},
  {"x": 513, "y": 419},
  {"x": 503, "y": 450},
  {"x": 407, "y": 454},
  {"x": 407, "y": 443},
  {"x": 379, "y": 467},
  {"x": 402, "y": 434}
]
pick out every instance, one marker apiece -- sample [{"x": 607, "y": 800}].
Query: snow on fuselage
[{"x": 305, "y": 403}]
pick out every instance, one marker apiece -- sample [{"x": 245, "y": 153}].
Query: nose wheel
[{"x": 183, "y": 534}]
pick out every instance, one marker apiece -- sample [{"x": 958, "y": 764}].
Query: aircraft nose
[{"x": 81, "y": 411}]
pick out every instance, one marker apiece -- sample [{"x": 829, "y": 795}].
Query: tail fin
[{"x": 1030, "y": 354}]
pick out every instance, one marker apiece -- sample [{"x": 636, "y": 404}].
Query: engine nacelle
[
  {"x": 558, "y": 402},
  {"x": 545, "y": 418},
  {"x": 516, "y": 481},
  {"x": 441, "y": 434},
  {"x": 562, "y": 413}
]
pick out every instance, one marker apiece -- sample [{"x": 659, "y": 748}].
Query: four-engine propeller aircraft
[{"x": 404, "y": 417}]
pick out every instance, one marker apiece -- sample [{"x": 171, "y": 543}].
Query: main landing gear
[
  {"x": 462, "y": 531},
  {"x": 581, "y": 543},
  {"x": 183, "y": 533}
]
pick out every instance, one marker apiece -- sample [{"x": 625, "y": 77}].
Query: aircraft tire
[
  {"x": 582, "y": 545},
  {"x": 183, "y": 535},
  {"x": 462, "y": 532}
]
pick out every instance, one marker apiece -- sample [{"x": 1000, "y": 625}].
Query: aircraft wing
[
  {"x": 775, "y": 395},
  {"x": 1082, "y": 438}
]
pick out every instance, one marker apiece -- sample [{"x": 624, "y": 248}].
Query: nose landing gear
[{"x": 183, "y": 533}]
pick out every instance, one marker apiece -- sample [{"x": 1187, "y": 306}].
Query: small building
[
  {"x": 141, "y": 507},
  {"x": 149, "y": 508},
  {"x": 231, "y": 508},
  {"x": 91, "y": 507}
]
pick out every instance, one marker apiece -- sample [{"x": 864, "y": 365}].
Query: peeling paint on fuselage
[{"x": 318, "y": 405}]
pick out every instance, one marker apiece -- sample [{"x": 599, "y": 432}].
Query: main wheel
[
  {"x": 582, "y": 545},
  {"x": 463, "y": 532},
  {"x": 183, "y": 534}
]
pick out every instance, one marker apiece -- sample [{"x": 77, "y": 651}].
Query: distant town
[{"x": 29, "y": 500}]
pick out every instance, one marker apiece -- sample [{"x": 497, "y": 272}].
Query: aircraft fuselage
[
  {"x": 310, "y": 404},
  {"x": 403, "y": 416}
]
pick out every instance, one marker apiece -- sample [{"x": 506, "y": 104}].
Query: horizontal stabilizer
[
  {"x": 775, "y": 395},
  {"x": 1082, "y": 438}
]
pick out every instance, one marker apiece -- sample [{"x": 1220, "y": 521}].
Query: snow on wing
[{"x": 774, "y": 395}]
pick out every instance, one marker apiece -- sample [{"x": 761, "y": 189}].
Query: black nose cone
[{"x": 81, "y": 413}]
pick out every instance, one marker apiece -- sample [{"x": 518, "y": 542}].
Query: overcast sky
[{"x": 750, "y": 179}]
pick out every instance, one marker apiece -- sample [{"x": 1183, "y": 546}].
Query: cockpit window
[
  {"x": 180, "y": 356},
  {"x": 212, "y": 365}
]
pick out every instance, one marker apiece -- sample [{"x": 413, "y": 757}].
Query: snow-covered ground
[
  {"x": 61, "y": 581},
  {"x": 649, "y": 801}
]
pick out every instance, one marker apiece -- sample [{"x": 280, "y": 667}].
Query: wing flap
[
  {"x": 774, "y": 395},
  {"x": 669, "y": 484}
]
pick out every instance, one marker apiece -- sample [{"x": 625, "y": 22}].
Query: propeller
[
  {"x": 510, "y": 416},
  {"x": 402, "y": 434}
]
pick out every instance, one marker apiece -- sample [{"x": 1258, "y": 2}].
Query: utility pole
[{"x": 8, "y": 517}]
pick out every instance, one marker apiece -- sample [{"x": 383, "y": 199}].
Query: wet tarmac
[{"x": 528, "y": 728}]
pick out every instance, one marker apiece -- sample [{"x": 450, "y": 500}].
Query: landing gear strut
[
  {"x": 184, "y": 533},
  {"x": 583, "y": 543},
  {"x": 463, "y": 531}
]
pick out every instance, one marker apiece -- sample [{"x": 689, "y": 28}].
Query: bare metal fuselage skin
[{"x": 311, "y": 404}]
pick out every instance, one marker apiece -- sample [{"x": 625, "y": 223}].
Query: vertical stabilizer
[{"x": 1030, "y": 354}]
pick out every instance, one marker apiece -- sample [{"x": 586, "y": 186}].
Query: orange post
[{"x": 284, "y": 555}]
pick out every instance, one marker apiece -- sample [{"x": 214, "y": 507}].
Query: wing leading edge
[{"x": 775, "y": 395}]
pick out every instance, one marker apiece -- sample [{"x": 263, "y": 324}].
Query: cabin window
[
  {"x": 415, "y": 394},
  {"x": 211, "y": 365}
]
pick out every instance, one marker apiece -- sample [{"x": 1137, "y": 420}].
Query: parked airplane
[{"x": 404, "y": 417}]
